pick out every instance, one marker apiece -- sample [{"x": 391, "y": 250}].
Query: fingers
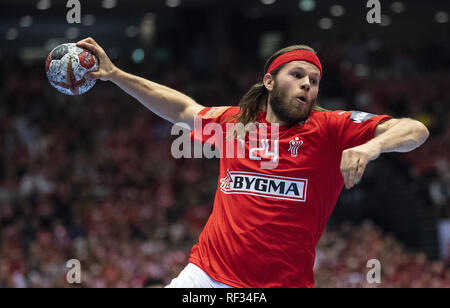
[
  {"x": 345, "y": 174},
  {"x": 91, "y": 45},
  {"x": 352, "y": 174},
  {"x": 361, "y": 168},
  {"x": 89, "y": 40},
  {"x": 356, "y": 172},
  {"x": 352, "y": 168},
  {"x": 345, "y": 167},
  {"x": 95, "y": 49}
]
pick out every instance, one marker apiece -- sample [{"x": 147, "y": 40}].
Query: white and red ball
[{"x": 66, "y": 66}]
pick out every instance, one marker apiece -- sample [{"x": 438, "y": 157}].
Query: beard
[{"x": 287, "y": 111}]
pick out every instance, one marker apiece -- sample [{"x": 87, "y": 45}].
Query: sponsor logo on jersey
[
  {"x": 294, "y": 145},
  {"x": 270, "y": 186},
  {"x": 359, "y": 116}
]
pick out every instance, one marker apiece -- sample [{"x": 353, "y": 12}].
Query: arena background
[{"x": 91, "y": 177}]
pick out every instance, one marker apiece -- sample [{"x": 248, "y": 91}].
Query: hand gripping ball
[{"x": 65, "y": 67}]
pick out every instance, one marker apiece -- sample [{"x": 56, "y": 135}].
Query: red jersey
[{"x": 266, "y": 222}]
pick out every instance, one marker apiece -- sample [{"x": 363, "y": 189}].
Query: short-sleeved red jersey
[{"x": 265, "y": 223}]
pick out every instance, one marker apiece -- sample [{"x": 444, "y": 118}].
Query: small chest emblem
[{"x": 294, "y": 145}]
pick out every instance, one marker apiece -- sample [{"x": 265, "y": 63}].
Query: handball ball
[{"x": 65, "y": 67}]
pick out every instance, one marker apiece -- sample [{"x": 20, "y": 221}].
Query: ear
[{"x": 268, "y": 81}]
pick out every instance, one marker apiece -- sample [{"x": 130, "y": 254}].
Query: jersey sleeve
[
  {"x": 209, "y": 122},
  {"x": 352, "y": 128}
]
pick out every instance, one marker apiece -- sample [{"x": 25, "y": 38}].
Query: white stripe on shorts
[{"x": 193, "y": 276}]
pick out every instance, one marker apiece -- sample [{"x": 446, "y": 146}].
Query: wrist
[
  {"x": 375, "y": 148},
  {"x": 114, "y": 75}
]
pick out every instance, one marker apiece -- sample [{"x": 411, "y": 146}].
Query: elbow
[{"x": 422, "y": 132}]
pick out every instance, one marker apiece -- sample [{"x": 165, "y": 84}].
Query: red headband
[{"x": 295, "y": 55}]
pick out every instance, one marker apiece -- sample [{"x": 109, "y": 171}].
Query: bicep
[{"x": 384, "y": 126}]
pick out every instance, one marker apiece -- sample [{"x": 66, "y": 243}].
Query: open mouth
[{"x": 302, "y": 99}]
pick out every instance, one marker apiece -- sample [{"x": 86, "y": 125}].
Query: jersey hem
[
  {"x": 235, "y": 284},
  {"x": 231, "y": 283}
]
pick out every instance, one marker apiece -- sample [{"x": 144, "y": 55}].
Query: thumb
[{"x": 93, "y": 75}]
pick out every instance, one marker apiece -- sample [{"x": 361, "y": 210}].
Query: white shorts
[{"x": 193, "y": 276}]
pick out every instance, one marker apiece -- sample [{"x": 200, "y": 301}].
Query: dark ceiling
[{"x": 238, "y": 19}]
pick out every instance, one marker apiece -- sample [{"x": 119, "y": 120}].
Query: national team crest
[
  {"x": 225, "y": 183},
  {"x": 294, "y": 145}
]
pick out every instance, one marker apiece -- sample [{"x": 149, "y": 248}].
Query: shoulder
[
  {"x": 329, "y": 121},
  {"x": 329, "y": 115},
  {"x": 232, "y": 110},
  {"x": 344, "y": 115},
  {"x": 218, "y": 112}
]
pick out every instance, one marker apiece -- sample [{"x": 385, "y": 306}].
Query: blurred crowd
[
  {"x": 348, "y": 257},
  {"x": 91, "y": 177}
]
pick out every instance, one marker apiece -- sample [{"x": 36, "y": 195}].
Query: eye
[{"x": 313, "y": 81}]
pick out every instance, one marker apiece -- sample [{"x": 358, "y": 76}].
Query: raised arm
[
  {"x": 167, "y": 103},
  {"x": 394, "y": 135}
]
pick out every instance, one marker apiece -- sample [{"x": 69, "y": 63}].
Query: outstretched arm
[
  {"x": 394, "y": 135},
  {"x": 167, "y": 103}
]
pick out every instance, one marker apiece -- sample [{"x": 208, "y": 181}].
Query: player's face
[{"x": 294, "y": 91}]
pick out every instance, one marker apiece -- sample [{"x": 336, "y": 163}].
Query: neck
[{"x": 271, "y": 117}]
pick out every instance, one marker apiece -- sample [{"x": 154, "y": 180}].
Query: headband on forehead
[{"x": 295, "y": 55}]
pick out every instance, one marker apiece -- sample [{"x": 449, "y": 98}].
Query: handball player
[{"x": 266, "y": 222}]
